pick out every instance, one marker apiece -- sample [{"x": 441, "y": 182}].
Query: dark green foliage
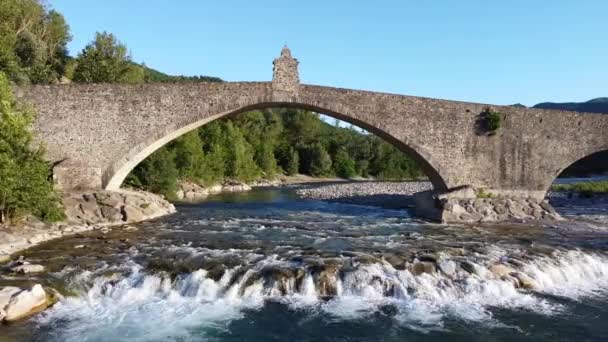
[
  {"x": 157, "y": 173},
  {"x": 587, "y": 189},
  {"x": 320, "y": 161},
  {"x": 492, "y": 119},
  {"x": 344, "y": 165},
  {"x": 154, "y": 76},
  {"x": 25, "y": 185},
  {"x": 33, "y": 42},
  {"x": 106, "y": 60},
  {"x": 263, "y": 143},
  {"x": 293, "y": 162}
]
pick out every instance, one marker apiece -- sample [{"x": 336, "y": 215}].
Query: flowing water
[{"x": 265, "y": 266}]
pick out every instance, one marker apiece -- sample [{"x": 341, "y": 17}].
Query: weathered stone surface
[
  {"x": 452, "y": 209},
  {"x": 108, "y": 129},
  {"x": 107, "y": 207},
  {"x": 6, "y": 293},
  {"x": 26, "y": 303}
]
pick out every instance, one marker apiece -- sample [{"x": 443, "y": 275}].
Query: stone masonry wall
[{"x": 112, "y": 127}]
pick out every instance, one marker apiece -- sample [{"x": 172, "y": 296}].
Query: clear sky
[{"x": 499, "y": 52}]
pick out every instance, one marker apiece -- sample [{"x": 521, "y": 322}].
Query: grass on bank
[{"x": 584, "y": 188}]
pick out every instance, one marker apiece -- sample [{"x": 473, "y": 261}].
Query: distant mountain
[
  {"x": 599, "y": 105},
  {"x": 595, "y": 164}
]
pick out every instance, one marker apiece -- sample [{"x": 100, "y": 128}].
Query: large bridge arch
[{"x": 116, "y": 173}]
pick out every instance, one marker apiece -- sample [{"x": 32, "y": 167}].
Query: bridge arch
[
  {"x": 574, "y": 160},
  {"x": 115, "y": 174}
]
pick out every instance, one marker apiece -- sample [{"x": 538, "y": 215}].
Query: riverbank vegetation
[
  {"x": 584, "y": 188},
  {"x": 25, "y": 179}
]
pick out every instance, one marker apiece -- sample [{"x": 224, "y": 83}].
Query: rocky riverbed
[
  {"x": 383, "y": 194},
  {"x": 87, "y": 210}
]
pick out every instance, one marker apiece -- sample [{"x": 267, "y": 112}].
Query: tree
[
  {"x": 320, "y": 161},
  {"x": 189, "y": 157},
  {"x": 293, "y": 164},
  {"x": 239, "y": 156},
  {"x": 344, "y": 165},
  {"x": 157, "y": 173},
  {"x": 106, "y": 60},
  {"x": 33, "y": 42},
  {"x": 265, "y": 159},
  {"x": 25, "y": 185}
]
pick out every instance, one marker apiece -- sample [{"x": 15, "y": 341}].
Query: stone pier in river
[{"x": 96, "y": 134}]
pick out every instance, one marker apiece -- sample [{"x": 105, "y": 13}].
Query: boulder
[
  {"x": 132, "y": 213},
  {"x": 448, "y": 267},
  {"x": 235, "y": 186},
  {"x": 111, "y": 214},
  {"x": 26, "y": 303},
  {"x": 6, "y": 293},
  {"x": 26, "y": 268},
  {"x": 4, "y": 258}
]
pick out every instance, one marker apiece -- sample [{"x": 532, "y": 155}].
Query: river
[{"x": 266, "y": 266}]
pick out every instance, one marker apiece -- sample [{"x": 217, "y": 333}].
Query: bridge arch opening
[
  {"x": 115, "y": 175},
  {"x": 573, "y": 191}
]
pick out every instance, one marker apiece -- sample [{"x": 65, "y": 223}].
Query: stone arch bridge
[{"x": 96, "y": 134}]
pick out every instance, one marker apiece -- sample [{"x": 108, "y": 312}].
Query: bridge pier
[
  {"x": 469, "y": 205},
  {"x": 71, "y": 175}
]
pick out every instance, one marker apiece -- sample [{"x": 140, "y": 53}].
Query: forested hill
[
  {"x": 155, "y": 76},
  {"x": 599, "y": 105}
]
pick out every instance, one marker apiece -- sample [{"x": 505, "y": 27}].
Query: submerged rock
[
  {"x": 525, "y": 281},
  {"x": 419, "y": 268},
  {"x": 501, "y": 270},
  {"x": 448, "y": 267}
]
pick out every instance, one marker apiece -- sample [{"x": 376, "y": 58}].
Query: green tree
[
  {"x": 293, "y": 164},
  {"x": 25, "y": 186},
  {"x": 320, "y": 161},
  {"x": 344, "y": 165},
  {"x": 106, "y": 60},
  {"x": 33, "y": 42},
  {"x": 157, "y": 173},
  {"x": 239, "y": 157},
  {"x": 189, "y": 156},
  {"x": 265, "y": 158}
]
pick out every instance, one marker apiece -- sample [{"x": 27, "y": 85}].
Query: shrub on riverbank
[
  {"x": 584, "y": 188},
  {"x": 25, "y": 177}
]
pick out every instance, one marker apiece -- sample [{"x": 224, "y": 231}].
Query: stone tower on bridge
[{"x": 285, "y": 77}]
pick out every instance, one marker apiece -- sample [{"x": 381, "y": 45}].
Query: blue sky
[{"x": 498, "y": 52}]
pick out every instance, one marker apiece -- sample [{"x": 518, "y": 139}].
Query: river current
[{"x": 265, "y": 266}]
